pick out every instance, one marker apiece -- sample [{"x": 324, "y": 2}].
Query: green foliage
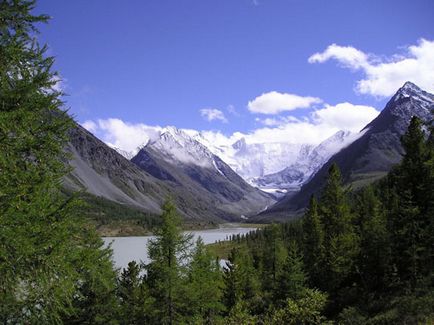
[
  {"x": 313, "y": 242},
  {"x": 410, "y": 210},
  {"x": 115, "y": 219},
  {"x": 292, "y": 278},
  {"x": 166, "y": 273},
  {"x": 305, "y": 310},
  {"x": 205, "y": 284},
  {"x": 240, "y": 314},
  {"x": 49, "y": 262},
  {"x": 241, "y": 280},
  {"x": 274, "y": 254},
  {"x": 94, "y": 300},
  {"x": 340, "y": 240},
  {"x": 135, "y": 300},
  {"x": 374, "y": 254}
]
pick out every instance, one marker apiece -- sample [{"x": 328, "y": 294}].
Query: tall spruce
[
  {"x": 274, "y": 255},
  {"x": 205, "y": 285},
  {"x": 313, "y": 242},
  {"x": 166, "y": 273},
  {"x": 292, "y": 278},
  {"x": 374, "y": 257},
  {"x": 340, "y": 239},
  {"x": 412, "y": 182},
  {"x": 241, "y": 282},
  {"x": 43, "y": 247},
  {"x": 135, "y": 301}
]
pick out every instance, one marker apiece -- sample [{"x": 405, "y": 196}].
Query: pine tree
[
  {"x": 135, "y": 301},
  {"x": 313, "y": 242},
  {"x": 204, "y": 285},
  {"x": 340, "y": 239},
  {"x": 410, "y": 223},
  {"x": 273, "y": 258},
  {"x": 241, "y": 280},
  {"x": 374, "y": 257},
  {"x": 292, "y": 278},
  {"x": 94, "y": 300},
  {"x": 42, "y": 242},
  {"x": 166, "y": 274}
]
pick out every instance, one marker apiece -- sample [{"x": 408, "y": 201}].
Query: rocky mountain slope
[
  {"x": 102, "y": 172},
  {"x": 372, "y": 155},
  {"x": 309, "y": 161},
  {"x": 183, "y": 163},
  {"x": 252, "y": 160}
]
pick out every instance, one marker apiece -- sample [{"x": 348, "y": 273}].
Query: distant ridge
[
  {"x": 183, "y": 163},
  {"x": 101, "y": 171},
  {"x": 368, "y": 158}
]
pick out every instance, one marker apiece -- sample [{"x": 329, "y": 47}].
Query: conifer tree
[
  {"x": 134, "y": 296},
  {"x": 313, "y": 242},
  {"x": 292, "y": 279},
  {"x": 166, "y": 275},
  {"x": 274, "y": 255},
  {"x": 412, "y": 183},
  {"x": 241, "y": 281},
  {"x": 340, "y": 239},
  {"x": 204, "y": 285},
  {"x": 43, "y": 244},
  {"x": 374, "y": 257}
]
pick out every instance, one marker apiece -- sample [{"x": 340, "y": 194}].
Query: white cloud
[
  {"x": 345, "y": 116},
  {"x": 383, "y": 77},
  {"x": 271, "y": 121},
  {"x": 89, "y": 125},
  {"x": 211, "y": 114},
  {"x": 274, "y": 102},
  {"x": 319, "y": 125},
  {"x": 347, "y": 55},
  {"x": 123, "y": 135}
]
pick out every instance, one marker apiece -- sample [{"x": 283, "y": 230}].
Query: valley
[{"x": 171, "y": 162}]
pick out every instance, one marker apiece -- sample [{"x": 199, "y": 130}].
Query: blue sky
[{"x": 198, "y": 64}]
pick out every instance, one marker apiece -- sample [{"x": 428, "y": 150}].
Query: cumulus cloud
[
  {"x": 274, "y": 103},
  {"x": 276, "y": 121},
  {"x": 211, "y": 114},
  {"x": 315, "y": 128},
  {"x": 383, "y": 76},
  {"x": 347, "y": 55},
  {"x": 320, "y": 125},
  {"x": 345, "y": 116},
  {"x": 122, "y": 135}
]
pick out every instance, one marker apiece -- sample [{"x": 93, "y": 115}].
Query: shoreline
[{"x": 128, "y": 231}]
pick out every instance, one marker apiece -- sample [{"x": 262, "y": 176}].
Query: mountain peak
[
  {"x": 240, "y": 144},
  {"x": 410, "y": 86},
  {"x": 409, "y": 89}
]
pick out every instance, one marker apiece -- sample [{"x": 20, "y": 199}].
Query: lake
[{"x": 127, "y": 249}]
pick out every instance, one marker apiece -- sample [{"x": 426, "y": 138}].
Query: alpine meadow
[{"x": 264, "y": 205}]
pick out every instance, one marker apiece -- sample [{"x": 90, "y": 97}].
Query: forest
[{"x": 355, "y": 257}]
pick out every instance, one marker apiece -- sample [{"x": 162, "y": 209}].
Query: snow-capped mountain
[
  {"x": 372, "y": 154},
  {"x": 273, "y": 167},
  {"x": 291, "y": 178},
  {"x": 185, "y": 164},
  {"x": 253, "y": 160},
  {"x": 177, "y": 146}
]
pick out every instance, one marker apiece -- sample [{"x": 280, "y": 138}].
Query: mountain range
[
  {"x": 202, "y": 186},
  {"x": 217, "y": 183},
  {"x": 370, "y": 156}
]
